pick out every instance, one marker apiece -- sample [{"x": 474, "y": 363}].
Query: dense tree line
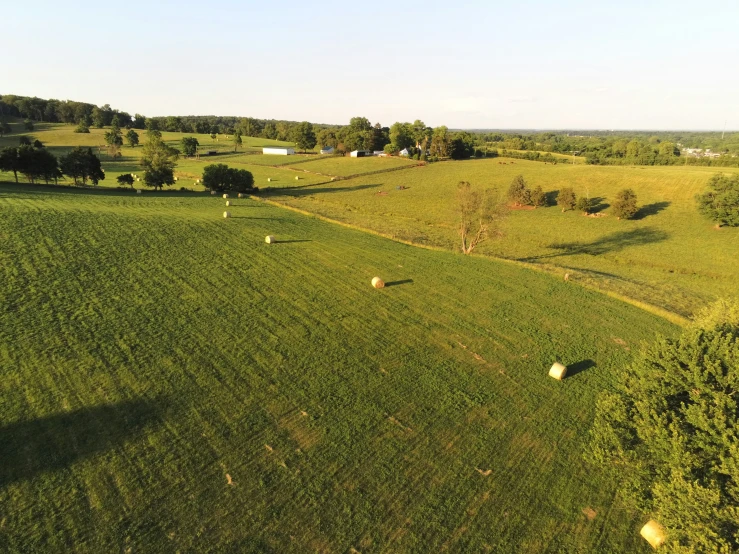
[{"x": 35, "y": 163}]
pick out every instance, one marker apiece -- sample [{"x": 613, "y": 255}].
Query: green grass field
[
  {"x": 346, "y": 166},
  {"x": 151, "y": 350}
]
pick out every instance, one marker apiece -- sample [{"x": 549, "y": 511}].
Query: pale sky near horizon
[{"x": 524, "y": 65}]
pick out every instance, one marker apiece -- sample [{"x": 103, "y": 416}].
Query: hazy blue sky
[{"x": 567, "y": 64}]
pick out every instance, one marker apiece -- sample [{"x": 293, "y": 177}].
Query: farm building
[
  {"x": 403, "y": 152},
  {"x": 279, "y": 150},
  {"x": 327, "y": 150},
  {"x": 360, "y": 153}
]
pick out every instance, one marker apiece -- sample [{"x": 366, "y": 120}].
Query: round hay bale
[
  {"x": 378, "y": 283},
  {"x": 269, "y": 179},
  {"x": 653, "y": 533},
  {"x": 138, "y": 180},
  {"x": 240, "y": 195},
  {"x": 212, "y": 193},
  {"x": 138, "y": 191},
  {"x": 296, "y": 177},
  {"x": 175, "y": 179},
  {"x": 226, "y": 215},
  {"x": 225, "y": 195},
  {"x": 269, "y": 239},
  {"x": 558, "y": 371},
  {"x": 228, "y": 203}
]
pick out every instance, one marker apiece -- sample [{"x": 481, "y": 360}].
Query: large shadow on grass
[
  {"x": 614, "y": 242},
  {"x": 650, "y": 209},
  {"x": 70, "y": 188},
  {"x": 308, "y": 190},
  {"x": 52, "y": 443},
  {"x": 579, "y": 367}
]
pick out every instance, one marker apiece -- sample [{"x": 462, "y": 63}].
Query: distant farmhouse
[
  {"x": 403, "y": 152},
  {"x": 279, "y": 150},
  {"x": 699, "y": 153}
]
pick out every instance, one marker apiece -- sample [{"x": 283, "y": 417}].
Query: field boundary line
[{"x": 672, "y": 317}]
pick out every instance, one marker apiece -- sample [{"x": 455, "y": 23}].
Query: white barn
[
  {"x": 403, "y": 152},
  {"x": 360, "y": 153},
  {"x": 279, "y": 150},
  {"x": 327, "y": 150}
]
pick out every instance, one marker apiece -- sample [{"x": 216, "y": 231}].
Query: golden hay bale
[
  {"x": 138, "y": 191},
  {"x": 228, "y": 203},
  {"x": 212, "y": 193},
  {"x": 240, "y": 195},
  {"x": 377, "y": 283},
  {"x": 269, "y": 239},
  {"x": 225, "y": 195},
  {"x": 558, "y": 371},
  {"x": 226, "y": 214},
  {"x": 653, "y": 533},
  {"x": 296, "y": 177},
  {"x": 269, "y": 179}
]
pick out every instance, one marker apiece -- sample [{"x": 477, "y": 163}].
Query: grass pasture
[
  {"x": 669, "y": 256},
  {"x": 150, "y": 351},
  {"x": 344, "y": 166}
]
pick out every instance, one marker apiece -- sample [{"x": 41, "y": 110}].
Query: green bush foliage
[
  {"x": 624, "y": 206},
  {"x": 671, "y": 431},
  {"x": 221, "y": 178},
  {"x": 518, "y": 192},
  {"x": 720, "y": 203}
]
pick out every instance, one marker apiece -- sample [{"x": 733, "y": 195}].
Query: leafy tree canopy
[
  {"x": 221, "y": 178},
  {"x": 624, "y": 206},
  {"x": 720, "y": 203}
]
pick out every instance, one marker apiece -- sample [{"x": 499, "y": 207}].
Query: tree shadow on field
[
  {"x": 614, "y": 242},
  {"x": 290, "y": 241},
  {"x": 650, "y": 209},
  {"x": 397, "y": 283},
  {"x": 308, "y": 190},
  {"x": 551, "y": 197},
  {"x": 52, "y": 443},
  {"x": 579, "y": 367},
  {"x": 598, "y": 205}
]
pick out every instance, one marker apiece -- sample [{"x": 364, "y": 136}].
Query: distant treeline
[{"x": 421, "y": 141}]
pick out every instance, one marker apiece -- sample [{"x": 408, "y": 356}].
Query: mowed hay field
[
  {"x": 152, "y": 352},
  {"x": 668, "y": 256}
]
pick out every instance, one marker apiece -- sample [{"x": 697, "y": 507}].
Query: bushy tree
[
  {"x": 720, "y": 203},
  {"x": 158, "y": 161},
  {"x": 24, "y": 141},
  {"x": 28, "y": 125},
  {"x": 671, "y": 432},
  {"x": 82, "y": 127},
  {"x": 462, "y": 146},
  {"x": 585, "y": 204},
  {"x": 304, "y": 136},
  {"x": 237, "y": 140},
  {"x": 538, "y": 198},
  {"x": 9, "y": 161},
  {"x": 132, "y": 137},
  {"x": 480, "y": 215},
  {"x": 114, "y": 137},
  {"x": 221, "y": 178},
  {"x": 518, "y": 192},
  {"x": 37, "y": 163},
  {"x": 125, "y": 179},
  {"x": 190, "y": 146},
  {"x": 82, "y": 164},
  {"x": 566, "y": 199},
  {"x": 624, "y": 205}
]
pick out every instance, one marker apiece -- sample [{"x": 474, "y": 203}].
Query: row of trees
[{"x": 35, "y": 163}]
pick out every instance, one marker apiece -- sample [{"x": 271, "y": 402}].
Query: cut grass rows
[{"x": 150, "y": 347}]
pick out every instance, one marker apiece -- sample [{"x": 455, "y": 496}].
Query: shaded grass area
[{"x": 149, "y": 349}]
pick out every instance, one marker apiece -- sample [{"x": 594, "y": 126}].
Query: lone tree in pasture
[
  {"x": 82, "y": 164},
  {"x": 9, "y": 161},
  {"x": 190, "y": 146},
  {"x": 125, "y": 179},
  {"x": 585, "y": 204},
  {"x": 624, "y": 206},
  {"x": 670, "y": 432},
  {"x": 720, "y": 203},
  {"x": 538, "y": 198},
  {"x": 221, "y": 178},
  {"x": 158, "y": 161},
  {"x": 566, "y": 199},
  {"x": 237, "y": 140},
  {"x": 480, "y": 215},
  {"x": 304, "y": 136},
  {"x": 82, "y": 127},
  {"x": 132, "y": 137},
  {"x": 518, "y": 192}
]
